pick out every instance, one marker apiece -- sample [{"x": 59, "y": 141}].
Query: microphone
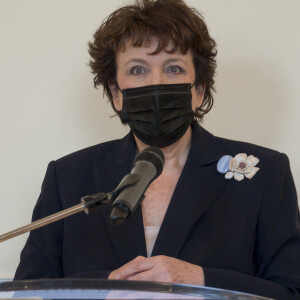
[{"x": 147, "y": 166}]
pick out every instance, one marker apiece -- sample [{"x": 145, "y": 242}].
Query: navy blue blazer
[{"x": 245, "y": 235}]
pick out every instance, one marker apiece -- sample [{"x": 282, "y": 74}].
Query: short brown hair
[{"x": 167, "y": 20}]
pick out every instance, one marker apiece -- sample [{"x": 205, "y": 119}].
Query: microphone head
[{"x": 154, "y": 156}]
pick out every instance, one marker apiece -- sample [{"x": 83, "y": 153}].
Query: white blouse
[{"x": 151, "y": 233}]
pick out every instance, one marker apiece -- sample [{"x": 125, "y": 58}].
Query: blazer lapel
[
  {"x": 197, "y": 189},
  {"x": 128, "y": 239}
]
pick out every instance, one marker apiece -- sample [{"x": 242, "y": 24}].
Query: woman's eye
[
  {"x": 137, "y": 70},
  {"x": 175, "y": 70}
]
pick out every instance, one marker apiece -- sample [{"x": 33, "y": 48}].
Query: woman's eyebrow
[
  {"x": 172, "y": 60},
  {"x": 136, "y": 60}
]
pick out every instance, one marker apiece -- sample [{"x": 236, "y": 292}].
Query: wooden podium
[{"x": 111, "y": 289}]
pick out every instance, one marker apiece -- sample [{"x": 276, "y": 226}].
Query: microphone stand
[{"x": 88, "y": 204}]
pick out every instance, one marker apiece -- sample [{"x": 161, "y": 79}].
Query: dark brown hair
[{"x": 167, "y": 20}]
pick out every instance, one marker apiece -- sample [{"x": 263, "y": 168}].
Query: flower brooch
[{"x": 239, "y": 167}]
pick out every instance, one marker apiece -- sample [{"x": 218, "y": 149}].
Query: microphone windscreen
[{"x": 154, "y": 156}]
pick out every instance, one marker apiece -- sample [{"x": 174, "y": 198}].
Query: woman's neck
[{"x": 175, "y": 154}]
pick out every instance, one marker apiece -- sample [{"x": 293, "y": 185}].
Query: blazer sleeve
[
  {"x": 277, "y": 246},
  {"x": 42, "y": 254}
]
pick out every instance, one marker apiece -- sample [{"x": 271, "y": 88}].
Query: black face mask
[{"x": 160, "y": 114}]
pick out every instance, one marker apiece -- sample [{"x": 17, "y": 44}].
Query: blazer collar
[
  {"x": 205, "y": 148},
  {"x": 198, "y": 187}
]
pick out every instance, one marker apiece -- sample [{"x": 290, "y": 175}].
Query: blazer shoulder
[
  {"x": 233, "y": 147},
  {"x": 100, "y": 151}
]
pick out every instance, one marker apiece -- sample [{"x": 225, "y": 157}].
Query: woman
[{"x": 219, "y": 215}]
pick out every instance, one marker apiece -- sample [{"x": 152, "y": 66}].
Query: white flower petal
[
  {"x": 229, "y": 175},
  {"x": 232, "y": 164},
  {"x": 252, "y": 160},
  {"x": 241, "y": 157},
  {"x": 251, "y": 174},
  {"x": 238, "y": 176}
]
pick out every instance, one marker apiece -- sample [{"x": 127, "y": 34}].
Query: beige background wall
[{"x": 49, "y": 108}]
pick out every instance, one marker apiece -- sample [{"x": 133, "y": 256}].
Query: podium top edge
[{"x": 104, "y": 284}]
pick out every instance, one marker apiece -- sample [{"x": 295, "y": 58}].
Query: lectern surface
[{"x": 111, "y": 289}]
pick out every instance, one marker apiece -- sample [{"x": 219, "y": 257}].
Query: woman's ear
[{"x": 116, "y": 95}]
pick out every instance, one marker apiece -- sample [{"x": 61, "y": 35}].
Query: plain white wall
[{"x": 49, "y": 107}]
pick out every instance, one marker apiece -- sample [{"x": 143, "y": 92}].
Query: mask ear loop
[
  {"x": 118, "y": 87},
  {"x": 194, "y": 119}
]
